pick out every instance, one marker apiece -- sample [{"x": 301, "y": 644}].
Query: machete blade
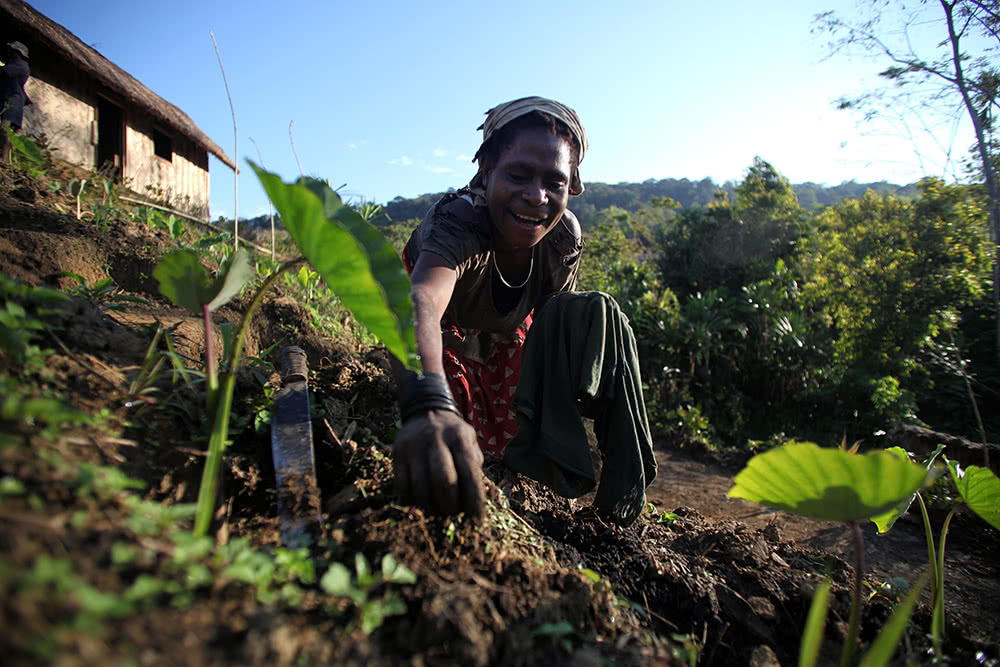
[{"x": 294, "y": 458}]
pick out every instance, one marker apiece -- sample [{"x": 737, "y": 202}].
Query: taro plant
[
  {"x": 349, "y": 254},
  {"x": 835, "y": 485},
  {"x": 979, "y": 488}
]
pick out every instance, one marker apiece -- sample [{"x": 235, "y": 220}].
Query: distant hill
[{"x": 686, "y": 192}]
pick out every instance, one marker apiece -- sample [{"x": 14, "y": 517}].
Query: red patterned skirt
[{"x": 484, "y": 390}]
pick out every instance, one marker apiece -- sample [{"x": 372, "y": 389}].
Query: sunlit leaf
[
  {"x": 980, "y": 490},
  {"x": 886, "y": 520},
  {"x": 830, "y": 484},
  {"x": 356, "y": 262}
]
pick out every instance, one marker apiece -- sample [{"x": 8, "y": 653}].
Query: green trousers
[{"x": 580, "y": 360}]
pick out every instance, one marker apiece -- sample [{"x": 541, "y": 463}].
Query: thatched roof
[{"x": 42, "y": 33}]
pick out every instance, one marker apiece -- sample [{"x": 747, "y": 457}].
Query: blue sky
[{"x": 386, "y": 96}]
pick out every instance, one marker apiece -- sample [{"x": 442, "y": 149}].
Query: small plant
[
  {"x": 979, "y": 488},
  {"x": 835, "y": 485},
  {"x": 360, "y": 587},
  {"x": 104, "y": 292},
  {"x": 350, "y": 255},
  {"x": 26, "y": 153},
  {"x": 76, "y": 188}
]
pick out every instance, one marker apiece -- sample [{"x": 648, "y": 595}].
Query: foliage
[
  {"x": 836, "y": 485},
  {"x": 352, "y": 257},
  {"x": 825, "y": 483},
  {"x": 359, "y": 588}
]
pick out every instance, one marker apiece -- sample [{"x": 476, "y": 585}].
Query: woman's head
[
  {"x": 491, "y": 149},
  {"x": 504, "y": 121},
  {"x": 528, "y": 168}
]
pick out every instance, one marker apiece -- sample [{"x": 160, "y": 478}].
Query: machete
[{"x": 292, "y": 450}]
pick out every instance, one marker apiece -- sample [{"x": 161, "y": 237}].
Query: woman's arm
[{"x": 436, "y": 457}]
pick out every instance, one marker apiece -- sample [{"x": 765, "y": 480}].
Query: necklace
[{"x": 531, "y": 268}]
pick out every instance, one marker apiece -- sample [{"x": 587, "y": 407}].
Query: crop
[
  {"x": 836, "y": 485},
  {"x": 348, "y": 253},
  {"x": 979, "y": 488}
]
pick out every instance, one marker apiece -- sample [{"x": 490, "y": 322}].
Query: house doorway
[{"x": 110, "y": 138}]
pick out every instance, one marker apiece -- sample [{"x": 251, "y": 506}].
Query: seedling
[
  {"x": 835, "y": 485},
  {"x": 373, "y": 611},
  {"x": 980, "y": 489},
  {"x": 350, "y": 255}
]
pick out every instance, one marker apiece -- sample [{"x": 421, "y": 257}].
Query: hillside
[
  {"x": 102, "y": 450},
  {"x": 630, "y": 196}
]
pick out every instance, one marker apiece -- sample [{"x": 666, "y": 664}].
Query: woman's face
[{"x": 528, "y": 188}]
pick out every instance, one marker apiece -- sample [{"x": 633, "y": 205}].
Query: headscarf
[{"x": 504, "y": 113}]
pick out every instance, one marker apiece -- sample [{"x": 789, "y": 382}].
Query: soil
[{"x": 540, "y": 581}]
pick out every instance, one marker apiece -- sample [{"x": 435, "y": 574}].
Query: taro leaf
[
  {"x": 886, "y": 520},
  {"x": 184, "y": 280},
  {"x": 980, "y": 490},
  {"x": 356, "y": 262},
  {"x": 830, "y": 484}
]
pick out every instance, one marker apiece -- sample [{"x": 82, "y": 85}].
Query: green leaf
[
  {"x": 26, "y": 147},
  {"x": 364, "y": 572},
  {"x": 371, "y": 616},
  {"x": 885, "y": 644},
  {"x": 98, "y": 602},
  {"x": 236, "y": 273},
  {"x": 830, "y": 484},
  {"x": 980, "y": 490},
  {"x": 356, "y": 262},
  {"x": 812, "y": 636},
  {"x": 183, "y": 280},
  {"x": 396, "y": 573},
  {"x": 560, "y": 629},
  {"x": 337, "y": 580},
  {"x": 886, "y": 520}
]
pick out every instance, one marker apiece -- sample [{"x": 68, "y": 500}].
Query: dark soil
[{"x": 726, "y": 580}]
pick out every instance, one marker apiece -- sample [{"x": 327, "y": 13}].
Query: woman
[{"x": 510, "y": 355}]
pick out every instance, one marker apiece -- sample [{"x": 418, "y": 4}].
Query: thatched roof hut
[{"x": 40, "y": 32}]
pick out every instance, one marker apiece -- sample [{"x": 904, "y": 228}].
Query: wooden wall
[{"x": 64, "y": 109}]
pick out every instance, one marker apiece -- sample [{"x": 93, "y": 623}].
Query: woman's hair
[{"x": 489, "y": 153}]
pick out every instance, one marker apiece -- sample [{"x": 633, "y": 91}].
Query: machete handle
[{"x": 294, "y": 366}]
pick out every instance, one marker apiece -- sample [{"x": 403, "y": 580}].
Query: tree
[
  {"x": 891, "y": 275},
  {"x": 959, "y": 72}
]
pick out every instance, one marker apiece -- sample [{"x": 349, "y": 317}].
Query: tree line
[
  {"x": 633, "y": 196},
  {"x": 759, "y": 319}
]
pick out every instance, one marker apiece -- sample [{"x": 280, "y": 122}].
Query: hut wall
[
  {"x": 64, "y": 116},
  {"x": 181, "y": 181}
]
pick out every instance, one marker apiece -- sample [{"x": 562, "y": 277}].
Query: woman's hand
[{"x": 438, "y": 464}]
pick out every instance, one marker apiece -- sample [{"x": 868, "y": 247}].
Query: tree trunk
[{"x": 982, "y": 145}]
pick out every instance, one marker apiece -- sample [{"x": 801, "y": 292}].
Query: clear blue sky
[{"x": 386, "y": 96}]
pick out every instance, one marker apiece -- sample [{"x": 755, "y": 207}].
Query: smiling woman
[{"x": 512, "y": 357}]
